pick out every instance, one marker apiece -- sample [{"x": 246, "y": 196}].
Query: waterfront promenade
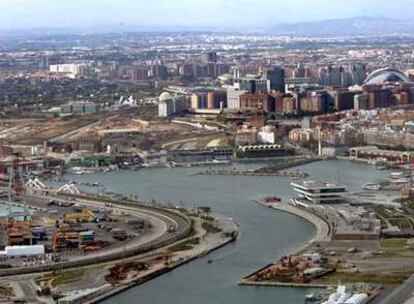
[{"x": 323, "y": 231}]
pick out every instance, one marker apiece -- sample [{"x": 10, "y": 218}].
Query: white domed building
[
  {"x": 165, "y": 105},
  {"x": 386, "y": 75},
  {"x": 165, "y": 97},
  {"x": 169, "y": 105}
]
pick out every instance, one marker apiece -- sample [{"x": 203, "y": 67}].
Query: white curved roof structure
[
  {"x": 386, "y": 75},
  {"x": 165, "y": 97}
]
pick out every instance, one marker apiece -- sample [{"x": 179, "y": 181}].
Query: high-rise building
[
  {"x": 290, "y": 105},
  {"x": 300, "y": 71},
  {"x": 259, "y": 101},
  {"x": 342, "y": 100},
  {"x": 278, "y": 97},
  {"x": 343, "y": 76},
  {"x": 379, "y": 98},
  {"x": 71, "y": 69},
  {"x": 276, "y": 76},
  {"x": 208, "y": 99},
  {"x": 361, "y": 101},
  {"x": 315, "y": 102},
  {"x": 158, "y": 71},
  {"x": 332, "y": 76},
  {"x": 252, "y": 84},
  {"x": 358, "y": 74},
  {"x": 211, "y": 57},
  {"x": 233, "y": 97}
]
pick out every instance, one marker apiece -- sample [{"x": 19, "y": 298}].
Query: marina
[{"x": 232, "y": 262}]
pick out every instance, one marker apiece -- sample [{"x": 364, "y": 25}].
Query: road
[
  {"x": 400, "y": 294},
  {"x": 74, "y": 132},
  {"x": 160, "y": 219}
]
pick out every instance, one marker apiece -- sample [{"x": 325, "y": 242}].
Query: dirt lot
[{"x": 35, "y": 132}]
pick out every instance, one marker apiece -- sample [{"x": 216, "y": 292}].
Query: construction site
[{"x": 94, "y": 133}]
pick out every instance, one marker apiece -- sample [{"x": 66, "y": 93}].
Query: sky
[{"x": 23, "y": 14}]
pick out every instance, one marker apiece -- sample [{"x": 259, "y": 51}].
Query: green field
[
  {"x": 210, "y": 227},
  {"x": 184, "y": 245},
  {"x": 364, "y": 277},
  {"x": 67, "y": 277}
]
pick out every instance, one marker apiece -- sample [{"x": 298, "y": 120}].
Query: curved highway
[{"x": 160, "y": 236}]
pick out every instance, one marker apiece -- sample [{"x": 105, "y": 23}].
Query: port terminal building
[
  {"x": 373, "y": 152},
  {"x": 320, "y": 192}
]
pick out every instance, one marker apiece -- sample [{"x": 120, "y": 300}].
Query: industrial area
[{"x": 54, "y": 237}]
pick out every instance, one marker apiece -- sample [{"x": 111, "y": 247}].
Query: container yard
[{"x": 64, "y": 230}]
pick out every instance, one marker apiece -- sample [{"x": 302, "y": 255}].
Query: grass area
[
  {"x": 6, "y": 291},
  {"x": 67, "y": 277},
  {"x": 208, "y": 218},
  {"x": 402, "y": 223},
  {"x": 408, "y": 253},
  {"x": 396, "y": 243},
  {"x": 224, "y": 143},
  {"x": 40, "y": 280},
  {"x": 365, "y": 277},
  {"x": 395, "y": 248},
  {"x": 385, "y": 212},
  {"x": 210, "y": 228},
  {"x": 185, "y": 245}
]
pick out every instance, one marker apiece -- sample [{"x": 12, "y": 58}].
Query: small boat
[
  {"x": 371, "y": 186},
  {"x": 400, "y": 174},
  {"x": 311, "y": 298},
  {"x": 383, "y": 167},
  {"x": 400, "y": 181},
  {"x": 397, "y": 174},
  {"x": 272, "y": 199}
]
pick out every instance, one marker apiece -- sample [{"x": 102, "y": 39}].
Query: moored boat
[{"x": 371, "y": 186}]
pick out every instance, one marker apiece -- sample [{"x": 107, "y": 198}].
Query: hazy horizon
[{"x": 26, "y": 14}]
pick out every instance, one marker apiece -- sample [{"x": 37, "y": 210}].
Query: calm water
[{"x": 265, "y": 234}]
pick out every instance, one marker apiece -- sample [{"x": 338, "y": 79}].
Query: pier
[{"x": 276, "y": 170}]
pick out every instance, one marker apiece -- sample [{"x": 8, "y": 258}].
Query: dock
[{"x": 269, "y": 171}]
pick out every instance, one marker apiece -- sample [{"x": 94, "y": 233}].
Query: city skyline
[
  {"x": 138, "y": 140},
  {"x": 25, "y": 14}
]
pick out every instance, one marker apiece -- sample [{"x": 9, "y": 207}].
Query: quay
[
  {"x": 323, "y": 234},
  {"x": 155, "y": 250},
  {"x": 279, "y": 284},
  {"x": 274, "y": 170},
  {"x": 156, "y": 273},
  {"x": 283, "y": 174},
  {"x": 323, "y": 231}
]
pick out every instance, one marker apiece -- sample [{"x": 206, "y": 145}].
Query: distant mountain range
[
  {"x": 365, "y": 26},
  {"x": 344, "y": 27}
]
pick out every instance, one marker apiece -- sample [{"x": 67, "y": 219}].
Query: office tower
[
  {"x": 211, "y": 57},
  {"x": 276, "y": 76},
  {"x": 358, "y": 74}
]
